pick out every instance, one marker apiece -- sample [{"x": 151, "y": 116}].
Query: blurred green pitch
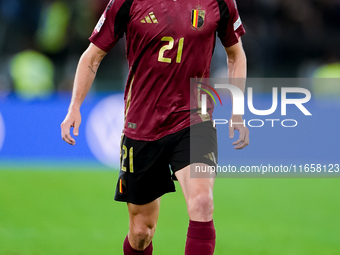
[{"x": 73, "y": 212}]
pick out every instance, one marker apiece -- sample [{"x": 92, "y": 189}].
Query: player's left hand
[{"x": 243, "y": 139}]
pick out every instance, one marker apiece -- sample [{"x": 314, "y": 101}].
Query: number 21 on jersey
[{"x": 169, "y": 46}]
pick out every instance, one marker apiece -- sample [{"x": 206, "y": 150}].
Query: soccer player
[{"x": 167, "y": 43}]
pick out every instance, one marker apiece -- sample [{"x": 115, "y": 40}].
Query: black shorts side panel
[{"x": 197, "y": 145}]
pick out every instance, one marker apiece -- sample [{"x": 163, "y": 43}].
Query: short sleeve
[
  {"x": 112, "y": 24},
  {"x": 230, "y": 27}
]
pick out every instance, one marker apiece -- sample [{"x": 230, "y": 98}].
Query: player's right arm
[{"x": 85, "y": 74}]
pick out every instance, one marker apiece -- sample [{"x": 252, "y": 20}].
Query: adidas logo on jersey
[{"x": 151, "y": 18}]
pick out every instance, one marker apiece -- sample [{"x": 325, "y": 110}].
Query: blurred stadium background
[{"x": 58, "y": 199}]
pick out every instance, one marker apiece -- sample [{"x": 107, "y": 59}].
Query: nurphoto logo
[{"x": 238, "y": 104}]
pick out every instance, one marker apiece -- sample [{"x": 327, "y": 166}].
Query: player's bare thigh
[
  {"x": 142, "y": 223},
  {"x": 198, "y": 193}
]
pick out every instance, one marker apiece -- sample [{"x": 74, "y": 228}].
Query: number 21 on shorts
[{"x": 127, "y": 153}]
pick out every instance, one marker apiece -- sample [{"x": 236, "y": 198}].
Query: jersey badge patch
[
  {"x": 197, "y": 18},
  {"x": 100, "y": 23},
  {"x": 132, "y": 125},
  {"x": 237, "y": 24}
]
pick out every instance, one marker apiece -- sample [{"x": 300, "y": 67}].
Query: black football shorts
[{"x": 148, "y": 167}]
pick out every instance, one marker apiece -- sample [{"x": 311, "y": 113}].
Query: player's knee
[
  {"x": 142, "y": 234},
  {"x": 201, "y": 206}
]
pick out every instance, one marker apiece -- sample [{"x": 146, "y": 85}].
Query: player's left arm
[{"x": 237, "y": 70}]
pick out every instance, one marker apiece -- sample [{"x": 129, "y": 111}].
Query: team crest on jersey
[{"x": 197, "y": 18}]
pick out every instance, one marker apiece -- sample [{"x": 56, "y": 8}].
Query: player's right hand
[{"x": 72, "y": 119}]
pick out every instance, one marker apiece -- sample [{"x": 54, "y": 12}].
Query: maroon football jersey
[{"x": 167, "y": 43}]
